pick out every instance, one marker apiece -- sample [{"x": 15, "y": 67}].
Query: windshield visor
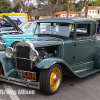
[{"x": 62, "y": 29}]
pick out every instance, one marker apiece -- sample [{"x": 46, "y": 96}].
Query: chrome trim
[
  {"x": 2, "y": 46},
  {"x": 82, "y": 70},
  {"x": 20, "y": 72},
  {"x": 25, "y": 43},
  {"x": 22, "y": 58},
  {"x": 26, "y": 83},
  {"x": 81, "y": 63},
  {"x": 19, "y": 37}
]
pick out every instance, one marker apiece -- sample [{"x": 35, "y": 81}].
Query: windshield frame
[{"x": 52, "y": 34}]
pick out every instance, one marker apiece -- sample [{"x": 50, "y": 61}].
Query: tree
[
  {"x": 97, "y": 2},
  {"x": 86, "y": 7},
  {"x": 77, "y": 6},
  {"x": 92, "y": 3},
  {"x": 16, "y": 8},
  {"x": 5, "y": 6},
  {"x": 54, "y": 5},
  {"x": 69, "y": 7},
  {"x": 64, "y": 7},
  {"x": 43, "y": 10},
  {"x": 37, "y": 17},
  {"x": 23, "y": 4}
]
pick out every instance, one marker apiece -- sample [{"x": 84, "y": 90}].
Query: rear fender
[{"x": 97, "y": 59}]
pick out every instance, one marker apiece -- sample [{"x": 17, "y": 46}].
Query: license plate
[{"x": 29, "y": 75}]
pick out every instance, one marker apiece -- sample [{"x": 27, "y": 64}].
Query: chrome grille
[{"x": 23, "y": 52}]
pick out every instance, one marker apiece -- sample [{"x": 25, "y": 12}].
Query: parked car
[
  {"x": 5, "y": 25},
  {"x": 60, "y": 48},
  {"x": 8, "y": 28},
  {"x": 12, "y": 37},
  {"x": 22, "y": 16}
]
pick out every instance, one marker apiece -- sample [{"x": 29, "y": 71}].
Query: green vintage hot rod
[{"x": 63, "y": 46}]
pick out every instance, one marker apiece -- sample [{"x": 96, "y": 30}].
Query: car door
[
  {"x": 69, "y": 47},
  {"x": 85, "y": 45}
]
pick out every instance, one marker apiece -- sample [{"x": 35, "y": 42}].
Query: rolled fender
[
  {"x": 48, "y": 62},
  {"x": 7, "y": 64}
]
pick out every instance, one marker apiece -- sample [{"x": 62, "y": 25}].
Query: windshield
[
  {"x": 21, "y": 25},
  {"x": 25, "y": 26},
  {"x": 31, "y": 29},
  {"x": 62, "y": 29}
]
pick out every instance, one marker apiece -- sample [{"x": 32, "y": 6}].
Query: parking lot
[{"x": 72, "y": 88}]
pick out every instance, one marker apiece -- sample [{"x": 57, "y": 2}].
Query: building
[
  {"x": 71, "y": 14},
  {"x": 93, "y": 12}
]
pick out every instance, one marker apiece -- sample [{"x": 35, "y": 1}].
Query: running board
[{"x": 88, "y": 72}]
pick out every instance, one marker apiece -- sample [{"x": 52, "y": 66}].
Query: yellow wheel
[
  {"x": 50, "y": 79},
  {"x": 55, "y": 78}
]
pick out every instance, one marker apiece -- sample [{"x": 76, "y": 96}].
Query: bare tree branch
[{"x": 72, "y": 4}]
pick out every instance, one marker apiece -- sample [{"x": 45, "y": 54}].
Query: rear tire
[{"x": 50, "y": 79}]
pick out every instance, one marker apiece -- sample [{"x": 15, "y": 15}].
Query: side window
[
  {"x": 93, "y": 29},
  {"x": 83, "y": 30}
]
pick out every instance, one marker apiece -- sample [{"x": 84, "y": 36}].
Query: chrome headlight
[
  {"x": 9, "y": 52},
  {"x": 33, "y": 55}
]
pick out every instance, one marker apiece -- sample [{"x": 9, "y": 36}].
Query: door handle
[{"x": 82, "y": 38}]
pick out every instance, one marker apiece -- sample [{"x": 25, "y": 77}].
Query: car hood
[
  {"x": 13, "y": 23},
  {"x": 45, "y": 41}
]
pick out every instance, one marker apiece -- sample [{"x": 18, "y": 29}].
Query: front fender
[
  {"x": 48, "y": 62},
  {"x": 7, "y": 64}
]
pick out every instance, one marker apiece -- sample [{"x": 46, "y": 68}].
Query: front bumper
[
  {"x": 2, "y": 46},
  {"x": 25, "y": 83}
]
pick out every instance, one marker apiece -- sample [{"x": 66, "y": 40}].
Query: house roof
[
  {"x": 65, "y": 12},
  {"x": 92, "y": 7}
]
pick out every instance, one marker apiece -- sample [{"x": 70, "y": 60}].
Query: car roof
[{"x": 67, "y": 20}]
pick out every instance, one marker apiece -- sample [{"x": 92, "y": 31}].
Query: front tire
[
  {"x": 1, "y": 69},
  {"x": 13, "y": 45},
  {"x": 50, "y": 79}
]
